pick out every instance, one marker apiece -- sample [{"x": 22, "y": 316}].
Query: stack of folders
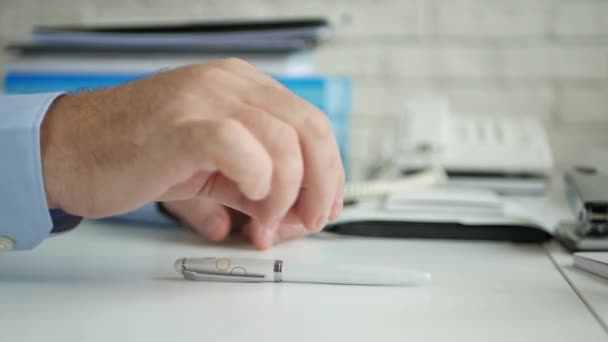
[{"x": 78, "y": 58}]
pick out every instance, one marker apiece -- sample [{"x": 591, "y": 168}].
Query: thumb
[{"x": 206, "y": 217}]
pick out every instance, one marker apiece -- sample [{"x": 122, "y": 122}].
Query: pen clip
[{"x": 222, "y": 276}]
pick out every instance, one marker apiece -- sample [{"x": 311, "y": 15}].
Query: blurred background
[{"x": 546, "y": 59}]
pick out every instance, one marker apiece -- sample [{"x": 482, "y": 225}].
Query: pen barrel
[
  {"x": 354, "y": 275},
  {"x": 228, "y": 269}
]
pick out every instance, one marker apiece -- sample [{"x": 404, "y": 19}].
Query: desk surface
[
  {"x": 107, "y": 282},
  {"x": 591, "y": 288}
]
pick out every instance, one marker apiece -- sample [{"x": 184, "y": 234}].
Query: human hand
[
  {"x": 214, "y": 222},
  {"x": 222, "y": 131}
]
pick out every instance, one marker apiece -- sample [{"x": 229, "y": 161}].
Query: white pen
[{"x": 266, "y": 270}]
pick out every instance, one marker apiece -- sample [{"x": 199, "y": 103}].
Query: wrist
[{"x": 50, "y": 142}]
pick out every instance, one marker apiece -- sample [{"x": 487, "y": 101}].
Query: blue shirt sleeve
[
  {"x": 24, "y": 213},
  {"x": 25, "y": 218}
]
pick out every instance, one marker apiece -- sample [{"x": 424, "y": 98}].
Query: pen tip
[{"x": 179, "y": 265}]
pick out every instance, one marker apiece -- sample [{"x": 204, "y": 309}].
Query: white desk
[
  {"x": 116, "y": 283},
  {"x": 591, "y": 288}
]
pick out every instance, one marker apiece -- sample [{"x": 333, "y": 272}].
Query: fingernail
[{"x": 210, "y": 223}]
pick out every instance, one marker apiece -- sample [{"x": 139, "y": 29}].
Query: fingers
[
  {"x": 231, "y": 149},
  {"x": 204, "y": 216},
  {"x": 214, "y": 223},
  {"x": 249, "y": 162},
  {"x": 282, "y": 144},
  {"x": 322, "y": 181},
  {"x": 263, "y": 238},
  {"x": 186, "y": 189},
  {"x": 322, "y": 165},
  {"x": 300, "y": 171}
]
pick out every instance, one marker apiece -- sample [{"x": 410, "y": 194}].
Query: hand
[
  {"x": 222, "y": 131},
  {"x": 214, "y": 222}
]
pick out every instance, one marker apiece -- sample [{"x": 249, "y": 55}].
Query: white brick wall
[
  {"x": 544, "y": 58},
  {"x": 492, "y": 20},
  {"x": 584, "y": 19},
  {"x": 584, "y": 104},
  {"x": 557, "y": 62}
]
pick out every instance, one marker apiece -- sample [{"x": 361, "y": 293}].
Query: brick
[
  {"x": 584, "y": 104},
  {"x": 137, "y": 12},
  {"x": 574, "y": 143},
  {"x": 33, "y": 13},
  {"x": 144, "y": 11},
  {"x": 511, "y": 19},
  {"x": 556, "y": 62},
  {"x": 387, "y": 98},
  {"x": 410, "y": 60},
  {"x": 350, "y": 60},
  {"x": 439, "y": 62},
  {"x": 581, "y": 19},
  {"x": 17, "y": 20},
  {"x": 366, "y": 18},
  {"x": 495, "y": 99}
]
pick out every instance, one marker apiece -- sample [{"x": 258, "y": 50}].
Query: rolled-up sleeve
[{"x": 24, "y": 214}]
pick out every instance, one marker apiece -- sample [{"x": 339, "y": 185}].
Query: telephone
[{"x": 508, "y": 154}]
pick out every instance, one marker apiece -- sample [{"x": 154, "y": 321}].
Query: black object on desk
[
  {"x": 439, "y": 230},
  {"x": 587, "y": 192}
]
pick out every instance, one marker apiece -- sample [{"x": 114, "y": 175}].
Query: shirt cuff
[
  {"x": 62, "y": 221},
  {"x": 24, "y": 213}
]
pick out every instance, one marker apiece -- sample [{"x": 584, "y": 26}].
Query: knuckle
[
  {"x": 272, "y": 91},
  {"x": 285, "y": 138},
  {"x": 232, "y": 63},
  {"x": 195, "y": 69},
  {"x": 288, "y": 147},
  {"x": 227, "y": 131},
  {"x": 286, "y": 150},
  {"x": 178, "y": 108},
  {"x": 202, "y": 141},
  {"x": 212, "y": 74},
  {"x": 318, "y": 126},
  {"x": 250, "y": 116},
  {"x": 253, "y": 94}
]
